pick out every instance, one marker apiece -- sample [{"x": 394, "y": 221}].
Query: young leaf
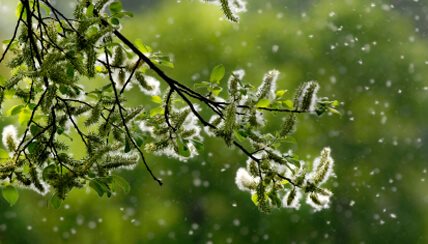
[
  {"x": 183, "y": 149},
  {"x": 98, "y": 187},
  {"x": 263, "y": 103},
  {"x": 119, "y": 182},
  {"x": 217, "y": 74},
  {"x": 15, "y": 109},
  {"x": 10, "y": 194},
  {"x": 156, "y": 99},
  {"x": 55, "y": 201},
  {"x": 115, "y": 7}
]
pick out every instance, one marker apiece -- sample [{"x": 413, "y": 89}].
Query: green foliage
[{"x": 56, "y": 110}]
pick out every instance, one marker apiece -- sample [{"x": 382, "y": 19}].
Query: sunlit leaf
[
  {"x": 142, "y": 47},
  {"x": 280, "y": 93},
  {"x": 289, "y": 104},
  {"x": 156, "y": 99},
  {"x": 15, "y": 109},
  {"x": 115, "y": 7},
  {"x": 10, "y": 194},
  {"x": 156, "y": 111},
  {"x": 263, "y": 103},
  {"x": 217, "y": 74}
]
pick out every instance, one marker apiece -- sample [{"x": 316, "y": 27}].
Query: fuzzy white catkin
[
  {"x": 244, "y": 180},
  {"x": 268, "y": 87},
  {"x": 328, "y": 163},
  {"x": 313, "y": 98},
  {"x": 9, "y": 132},
  {"x": 324, "y": 202},
  {"x": 295, "y": 203},
  {"x": 152, "y": 82}
]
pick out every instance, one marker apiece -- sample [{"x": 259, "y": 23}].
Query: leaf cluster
[{"x": 54, "y": 56}]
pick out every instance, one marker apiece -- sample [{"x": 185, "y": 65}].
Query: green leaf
[
  {"x": 18, "y": 9},
  {"x": 98, "y": 187},
  {"x": 15, "y": 110},
  {"x": 280, "y": 93},
  {"x": 263, "y": 103},
  {"x": 284, "y": 182},
  {"x": 49, "y": 172},
  {"x": 114, "y": 21},
  {"x": 183, "y": 150},
  {"x": 31, "y": 106},
  {"x": 60, "y": 130},
  {"x": 216, "y": 91},
  {"x": 64, "y": 89},
  {"x": 289, "y": 104},
  {"x": 24, "y": 116},
  {"x": 255, "y": 199},
  {"x": 101, "y": 186},
  {"x": 198, "y": 145},
  {"x": 9, "y": 93},
  {"x": 55, "y": 201},
  {"x": 32, "y": 147},
  {"x": 115, "y": 7},
  {"x": 10, "y": 194},
  {"x": 202, "y": 84},
  {"x": 142, "y": 47},
  {"x": 119, "y": 182},
  {"x": 238, "y": 136},
  {"x": 156, "y": 111},
  {"x": 334, "y": 111},
  {"x": 92, "y": 31},
  {"x": 163, "y": 61},
  {"x": 217, "y": 74},
  {"x": 156, "y": 99},
  {"x": 90, "y": 10},
  {"x": 34, "y": 129}
]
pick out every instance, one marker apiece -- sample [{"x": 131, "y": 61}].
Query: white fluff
[
  {"x": 152, "y": 82},
  {"x": 9, "y": 132},
  {"x": 245, "y": 181}
]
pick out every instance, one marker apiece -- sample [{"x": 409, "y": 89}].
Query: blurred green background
[{"x": 371, "y": 55}]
